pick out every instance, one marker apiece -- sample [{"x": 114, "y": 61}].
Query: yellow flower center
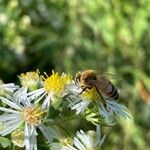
[
  {"x": 32, "y": 115},
  {"x": 30, "y": 78},
  {"x": 56, "y": 83},
  {"x": 91, "y": 94},
  {"x": 17, "y": 137}
]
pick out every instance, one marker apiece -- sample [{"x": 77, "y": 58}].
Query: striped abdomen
[{"x": 106, "y": 88}]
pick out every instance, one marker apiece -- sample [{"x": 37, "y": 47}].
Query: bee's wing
[
  {"x": 119, "y": 82},
  {"x": 110, "y": 76},
  {"x": 115, "y": 79}
]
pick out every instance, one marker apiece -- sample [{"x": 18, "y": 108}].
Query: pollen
[
  {"x": 55, "y": 83},
  {"x": 32, "y": 115},
  {"x": 91, "y": 94}
]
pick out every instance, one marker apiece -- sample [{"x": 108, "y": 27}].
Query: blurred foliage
[{"x": 109, "y": 36}]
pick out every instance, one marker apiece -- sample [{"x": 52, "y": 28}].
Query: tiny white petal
[
  {"x": 45, "y": 132},
  {"x": 40, "y": 98},
  {"x": 27, "y": 137},
  {"x": 36, "y": 93},
  {"x": 8, "y": 110},
  {"x": 6, "y": 117},
  {"x": 11, "y": 128},
  {"x": 11, "y": 104},
  {"x": 69, "y": 148},
  {"x": 46, "y": 102},
  {"x": 78, "y": 144}
]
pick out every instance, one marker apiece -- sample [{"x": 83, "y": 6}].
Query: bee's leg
[
  {"x": 83, "y": 89},
  {"x": 102, "y": 98}
]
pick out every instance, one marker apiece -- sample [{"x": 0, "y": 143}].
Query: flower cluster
[{"x": 46, "y": 105}]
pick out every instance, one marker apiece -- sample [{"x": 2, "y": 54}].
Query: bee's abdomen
[{"x": 113, "y": 93}]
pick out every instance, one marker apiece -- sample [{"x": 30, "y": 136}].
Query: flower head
[
  {"x": 91, "y": 94},
  {"x": 32, "y": 115},
  {"x": 31, "y": 80},
  {"x": 53, "y": 88},
  {"x": 17, "y": 137},
  {"x": 87, "y": 141},
  {"x": 22, "y": 113},
  {"x": 108, "y": 109},
  {"x": 56, "y": 83}
]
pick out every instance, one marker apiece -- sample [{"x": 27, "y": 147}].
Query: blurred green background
[{"x": 71, "y": 35}]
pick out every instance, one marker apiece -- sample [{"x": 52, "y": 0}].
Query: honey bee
[{"x": 89, "y": 78}]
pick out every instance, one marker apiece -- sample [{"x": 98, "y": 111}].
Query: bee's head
[{"x": 87, "y": 76}]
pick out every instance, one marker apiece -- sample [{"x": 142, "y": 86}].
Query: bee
[{"x": 88, "y": 79}]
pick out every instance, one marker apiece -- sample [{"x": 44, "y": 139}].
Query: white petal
[
  {"x": 46, "y": 102},
  {"x": 21, "y": 95},
  {"x": 118, "y": 109},
  {"x": 9, "y": 103},
  {"x": 86, "y": 140},
  {"x": 102, "y": 140},
  {"x": 73, "y": 88},
  {"x": 27, "y": 137},
  {"x": 78, "y": 144},
  {"x": 36, "y": 93},
  {"x": 45, "y": 132},
  {"x": 81, "y": 106},
  {"x": 6, "y": 117},
  {"x": 69, "y": 148},
  {"x": 11, "y": 127},
  {"x": 8, "y": 110},
  {"x": 40, "y": 98},
  {"x": 9, "y": 87}
]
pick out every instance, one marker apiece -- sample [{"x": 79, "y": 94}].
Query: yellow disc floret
[
  {"x": 32, "y": 115},
  {"x": 55, "y": 83},
  {"x": 91, "y": 94},
  {"x": 17, "y": 137},
  {"x": 30, "y": 79}
]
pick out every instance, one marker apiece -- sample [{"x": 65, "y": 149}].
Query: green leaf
[
  {"x": 5, "y": 142},
  {"x": 56, "y": 103}
]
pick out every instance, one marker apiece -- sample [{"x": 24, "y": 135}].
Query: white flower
[
  {"x": 108, "y": 111},
  {"x": 31, "y": 79},
  {"x": 87, "y": 141},
  {"x": 22, "y": 112},
  {"x": 53, "y": 88},
  {"x": 113, "y": 107},
  {"x": 78, "y": 103}
]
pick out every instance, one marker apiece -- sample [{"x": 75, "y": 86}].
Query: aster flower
[
  {"x": 17, "y": 137},
  {"x": 53, "y": 88},
  {"x": 23, "y": 113},
  {"x": 80, "y": 102},
  {"x": 32, "y": 80},
  {"x": 87, "y": 141}
]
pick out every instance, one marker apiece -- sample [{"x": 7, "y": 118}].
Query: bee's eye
[
  {"x": 94, "y": 78},
  {"x": 90, "y": 78}
]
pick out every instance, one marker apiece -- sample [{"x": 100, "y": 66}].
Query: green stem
[{"x": 13, "y": 147}]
